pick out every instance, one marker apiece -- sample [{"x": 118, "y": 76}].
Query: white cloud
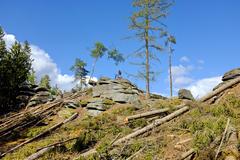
[
  {"x": 183, "y": 80},
  {"x": 184, "y": 59},
  {"x": 43, "y": 64},
  {"x": 200, "y": 87},
  {"x": 9, "y": 39},
  {"x": 180, "y": 75}
]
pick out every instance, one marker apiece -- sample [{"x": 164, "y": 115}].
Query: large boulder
[
  {"x": 185, "y": 94},
  {"x": 231, "y": 74},
  {"x": 120, "y": 90}
]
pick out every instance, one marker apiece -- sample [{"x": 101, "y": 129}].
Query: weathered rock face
[
  {"x": 40, "y": 98},
  {"x": 228, "y": 76},
  {"x": 98, "y": 105},
  {"x": 231, "y": 74},
  {"x": 121, "y": 90},
  {"x": 31, "y": 95},
  {"x": 185, "y": 94},
  {"x": 26, "y": 91},
  {"x": 234, "y": 90},
  {"x": 108, "y": 92}
]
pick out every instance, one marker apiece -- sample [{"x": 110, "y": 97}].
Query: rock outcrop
[
  {"x": 232, "y": 74},
  {"x": 185, "y": 94},
  {"x": 108, "y": 92},
  {"x": 120, "y": 90},
  {"x": 227, "y": 77},
  {"x": 31, "y": 95}
]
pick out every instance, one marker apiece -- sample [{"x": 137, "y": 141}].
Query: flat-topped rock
[
  {"x": 118, "y": 90},
  {"x": 232, "y": 74}
]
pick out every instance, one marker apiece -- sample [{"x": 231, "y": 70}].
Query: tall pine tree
[
  {"x": 146, "y": 21},
  {"x": 15, "y": 65}
]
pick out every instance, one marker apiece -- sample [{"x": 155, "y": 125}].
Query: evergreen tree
[
  {"x": 32, "y": 77},
  {"x": 15, "y": 65},
  {"x": 116, "y": 56},
  {"x": 80, "y": 71},
  {"x": 45, "y": 82},
  {"x": 97, "y": 52},
  {"x": 146, "y": 22}
]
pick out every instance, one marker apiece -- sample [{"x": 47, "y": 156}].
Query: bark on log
[
  {"x": 153, "y": 125},
  {"x": 150, "y": 113},
  {"x": 39, "y": 153},
  {"x": 41, "y": 134},
  {"x": 220, "y": 89}
]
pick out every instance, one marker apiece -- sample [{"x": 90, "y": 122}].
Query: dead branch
[
  {"x": 41, "y": 134},
  {"x": 150, "y": 113},
  {"x": 223, "y": 137}
]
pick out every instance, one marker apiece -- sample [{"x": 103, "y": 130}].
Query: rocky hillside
[{"x": 113, "y": 120}]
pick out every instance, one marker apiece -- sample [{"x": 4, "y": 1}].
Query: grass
[
  {"x": 203, "y": 124},
  {"x": 208, "y": 121}
]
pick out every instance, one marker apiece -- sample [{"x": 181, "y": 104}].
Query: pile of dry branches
[{"x": 28, "y": 117}]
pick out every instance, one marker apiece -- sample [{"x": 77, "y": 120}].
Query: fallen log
[
  {"x": 27, "y": 118},
  {"x": 156, "y": 123},
  {"x": 220, "y": 89},
  {"x": 41, "y": 134},
  {"x": 41, "y": 151},
  {"x": 58, "y": 143},
  {"x": 150, "y": 113}
]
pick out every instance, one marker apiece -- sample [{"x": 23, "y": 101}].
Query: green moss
[
  {"x": 123, "y": 110},
  {"x": 108, "y": 102},
  {"x": 32, "y": 132},
  {"x": 137, "y": 123},
  {"x": 83, "y": 103}
]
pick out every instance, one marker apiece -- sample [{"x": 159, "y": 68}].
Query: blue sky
[{"x": 207, "y": 34}]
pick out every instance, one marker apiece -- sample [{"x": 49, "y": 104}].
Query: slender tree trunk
[
  {"x": 170, "y": 71},
  {"x": 93, "y": 68},
  {"x": 81, "y": 83},
  {"x": 147, "y": 58}
]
